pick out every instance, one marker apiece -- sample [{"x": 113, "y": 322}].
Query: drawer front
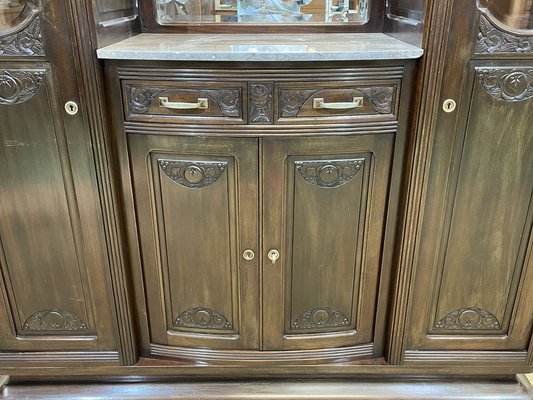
[
  {"x": 302, "y": 102},
  {"x": 183, "y": 102}
]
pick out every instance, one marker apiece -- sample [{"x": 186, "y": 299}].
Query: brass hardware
[
  {"x": 355, "y": 103},
  {"x": 248, "y": 255},
  {"x": 449, "y": 105},
  {"x": 273, "y": 256},
  {"x": 201, "y": 104},
  {"x": 71, "y": 108}
]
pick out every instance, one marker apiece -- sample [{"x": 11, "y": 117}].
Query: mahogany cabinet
[{"x": 257, "y": 246}]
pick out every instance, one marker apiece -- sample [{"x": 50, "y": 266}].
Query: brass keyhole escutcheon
[
  {"x": 449, "y": 105},
  {"x": 71, "y": 108},
  {"x": 248, "y": 255},
  {"x": 273, "y": 255}
]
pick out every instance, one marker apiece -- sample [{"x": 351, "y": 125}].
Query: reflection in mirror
[
  {"x": 12, "y": 12},
  {"x": 261, "y": 11},
  {"x": 407, "y": 11},
  {"x": 516, "y": 14}
]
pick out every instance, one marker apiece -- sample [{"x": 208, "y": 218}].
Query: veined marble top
[{"x": 260, "y": 47}]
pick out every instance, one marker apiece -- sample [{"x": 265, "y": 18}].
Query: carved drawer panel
[
  {"x": 336, "y": 103},
  {"x": 184, "y": 102}
]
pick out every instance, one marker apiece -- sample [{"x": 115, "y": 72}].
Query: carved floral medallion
[
  {"x": 260, "y": 103},
  {"x": 323, "y": 317},
  {"x": 491, "y": 40},
  {"x": 329, "y": 173},
  {"x": 18, "y": 86},
  {"x": 54, "y": 320},
  {"x": 26, "y": 42},
  {"x": 193, "y": 174},
  {"x": 468, "y": 318},
  {"x": 201, "y": 317},
  {"x": 509, "y": 84}
]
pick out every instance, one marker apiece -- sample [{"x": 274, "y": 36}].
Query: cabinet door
[
  {"x": 472, "y": 298},
  {"x": 55, "y": 297},
  {"x": 197, "y": 211},
  {"x": 324, "y": 203}
]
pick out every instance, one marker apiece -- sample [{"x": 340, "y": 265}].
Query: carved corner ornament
[
  {"x": 18, "y": 86},
  {"x": 28, "y": 41},
  {"x": 471, "y": 318},
  {"x": 492, "y": 39},
  {"x": 193, "y": 174},
  {"x": 323, "y": 317},
  {"x": 204, "y": 318},
  {"x": 229, "y": 100},
  {"x": 329, "y": 173},
  {"x": 381, "y": 98},
  {"x": 54, "y": 320},
  {"x": 260, "y": 103},
  {"x": 508, "y": 84},
  {"x": 141, "y": 98}
]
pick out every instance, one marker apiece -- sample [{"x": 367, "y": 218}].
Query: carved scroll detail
[
  {"x": 468, "y": 318},
  {"x": 324, "y": 317},
  {"x": 293, "y": 100},
  {"x": 193, "y": 174},
  {"x": 18, "y": 86},
  {"x": 229, "y": 100},
  {"x": 329, "y": 173},
  {"x": 27, "y": 42},
  {"x": 54, "y": 320},
  {"x": 492, "y": 39},
  {"x": 509, "y": 84},
  {"x": 380, "y": 97},
  {"x": 141, "y": 98},
  {"x": 205, "y": 318},
  {"x": 260, "y": 103}
]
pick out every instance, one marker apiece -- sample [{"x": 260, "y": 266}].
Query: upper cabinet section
[
  {"x": 170, "y": 12},
  {"x": 514, "y": 14}
]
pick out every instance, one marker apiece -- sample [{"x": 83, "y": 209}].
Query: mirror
[
  {"x": 516, "y": 14},
  {"x": 171, "y": 12},
  {"x": 12, "y": 12}
]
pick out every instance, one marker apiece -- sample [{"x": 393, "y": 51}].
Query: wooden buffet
[{"x": 228, "y": 195}]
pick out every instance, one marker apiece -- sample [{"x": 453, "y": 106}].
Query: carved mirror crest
[{"x": 20, "y": 28}]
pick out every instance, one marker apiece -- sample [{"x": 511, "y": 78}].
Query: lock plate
[{"x": 71, "y": 108}]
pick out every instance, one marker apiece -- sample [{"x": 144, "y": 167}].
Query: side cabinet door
[
  {"x": 54, "y": 274},
  {"x": 324, "y": 212},
  {"x": 472, "y": 299},
  {"x": 196, "y": 204}
]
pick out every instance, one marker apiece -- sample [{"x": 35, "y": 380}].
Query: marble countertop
[{"x": 260, "y": 47}]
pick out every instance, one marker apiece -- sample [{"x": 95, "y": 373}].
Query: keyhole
[
  {"x": 71, "y": 108},
  {"x": 449, "y": 105}
]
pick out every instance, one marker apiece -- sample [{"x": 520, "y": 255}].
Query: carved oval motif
[
  {"x": 467, "y": 319},
  {"x": 54, "y": 320},
  {"x": 509, "y": 84},
  {"x": 18, "y": 86},
  {"x": 329, "y": 173},
  {"x": 205, "y": 318},
  {"x": 323, "y": 317},
  {"x": 193, "y": 174}
]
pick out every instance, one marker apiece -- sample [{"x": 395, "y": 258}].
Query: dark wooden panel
[
  {"x": 196, "y": 202},
  {"x": 39, "y": 231},
  {"x": 328, "y": 229}
]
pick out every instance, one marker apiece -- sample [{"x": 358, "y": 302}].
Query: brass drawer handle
[
  {"x": 355, "y": 103},
  {"x": 201, "y": 104}
]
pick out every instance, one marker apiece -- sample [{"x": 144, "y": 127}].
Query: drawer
[
  {"x": 184, "y": 102},
  {"x": 327, "y": 102}
]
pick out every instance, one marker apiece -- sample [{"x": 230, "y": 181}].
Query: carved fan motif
[
  {"x": 18, "y": 86},
  {"x": 202, "y": 318},
  {"x": 329, "y": 173},
  {"x": 509, "y": 84},
  {"x": 324, "y": 317},
  {"x": 54, "y": 320},
  {"x": 468, "y": 318},
  {"x": 193, "y": 174}
]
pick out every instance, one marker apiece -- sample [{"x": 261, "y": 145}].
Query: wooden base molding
[{"x": 283, "y": 389}]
